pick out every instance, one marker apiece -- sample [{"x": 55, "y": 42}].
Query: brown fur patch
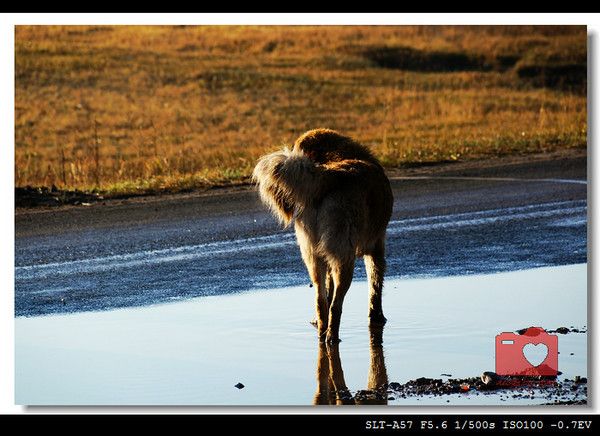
[{"x": 326, "y": 146}]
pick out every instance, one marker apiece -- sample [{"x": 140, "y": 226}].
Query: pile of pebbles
[{"x": 554, "y": 391}]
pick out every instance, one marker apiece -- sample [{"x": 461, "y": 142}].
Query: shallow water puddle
[{"x": 194, "y": 352}]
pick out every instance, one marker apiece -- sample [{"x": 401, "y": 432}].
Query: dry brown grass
[{"x": 130, "y": 108}]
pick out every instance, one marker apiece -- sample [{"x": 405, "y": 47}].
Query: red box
[{"x": 510, "y": 359}]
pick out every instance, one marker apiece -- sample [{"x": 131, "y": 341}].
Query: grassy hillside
[{"x": 137, "y": 108}]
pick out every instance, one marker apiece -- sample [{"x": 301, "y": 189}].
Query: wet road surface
[{"x": 445, "y": 223}]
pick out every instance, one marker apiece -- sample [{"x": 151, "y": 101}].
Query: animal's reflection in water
[{"x": 331, "y": 386}]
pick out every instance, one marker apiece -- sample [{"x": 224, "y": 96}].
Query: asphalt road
[{"x": 448, "y": 220}]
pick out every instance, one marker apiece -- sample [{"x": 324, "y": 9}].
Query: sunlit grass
[{"x": 168, "y": 108}]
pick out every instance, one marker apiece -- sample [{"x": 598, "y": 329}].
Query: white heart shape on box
[{"x": 535, "y": 354}]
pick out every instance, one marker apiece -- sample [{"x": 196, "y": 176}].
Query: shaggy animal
[{"x": 340, "y": 200}]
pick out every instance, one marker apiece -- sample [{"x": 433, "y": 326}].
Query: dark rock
[
  {"x": 239, "y": 386},
  {"x": 344, "y": 395},
  {"x": 489, "y": 378},
  {"x": 423, "y": 381},
  {"x": 454, "y": 388}
]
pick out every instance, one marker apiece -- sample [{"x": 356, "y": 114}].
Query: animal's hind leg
[
  {"x": 329, "y": 292},
  {"x": 322, "y": 303},
  {"x": 375, "y": 265},
  {"x": 317, "y": 270},
  {"x": 342, "y": 277},
  {"x": 330, "y": 285}
]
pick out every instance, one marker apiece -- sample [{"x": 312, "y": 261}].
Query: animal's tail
[{"x": 287, "y": 181}]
